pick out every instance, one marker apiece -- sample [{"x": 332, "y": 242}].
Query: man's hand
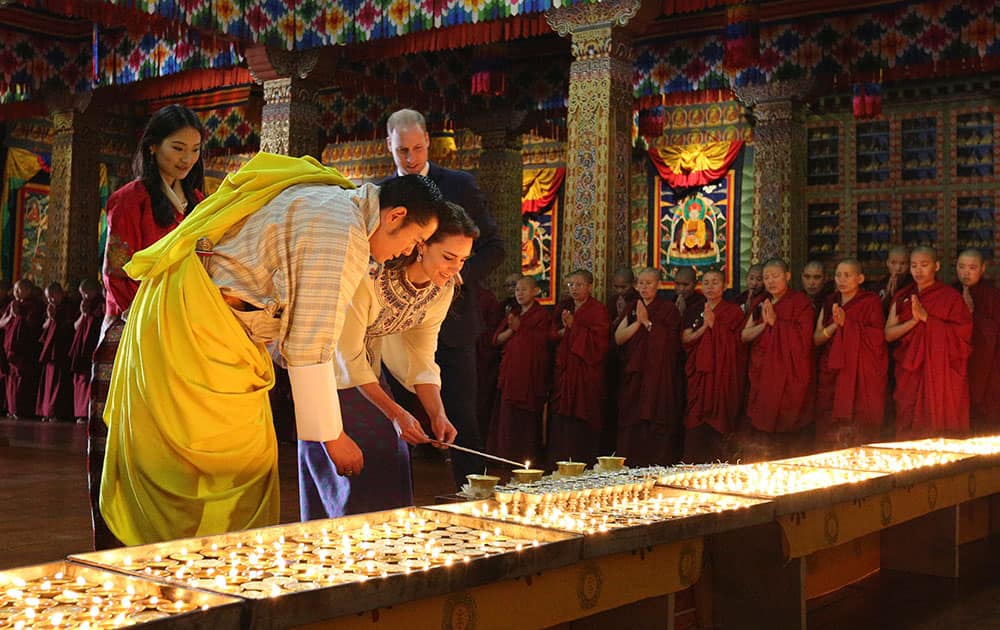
[
  {"x": 708, "y": 316},
  {"x": 839, "y": 315},
  {"x": 967, "y": 296},
  {"x": 567, "y": 319},
  {"x": 346, "y": 455},
  {"x": 919, "y": 312},
  {"x": 513, "y": 322},
  {"x": 641, "y": 314},
  {"x": 767, "y": 312}
]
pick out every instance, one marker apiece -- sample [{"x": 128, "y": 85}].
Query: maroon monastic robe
[
  {"x": 881, "y": 289},
  {"x": 4, "y": 368},
  {"x": 746, "y": 301},
  {"x": 649, "y": 407},
  {"x": 609, "y": 432},
  {"x": 578, "y": 382},
  {"x": 714, "y": 382},
  {"x": 21, "y": 346},
  {"x": 984, "y": 362},
  {"x": 853, "y": 374},
  {"x": 932, "y": 388},
  {"x": 81, "y": 352},
  {"x": 487, "y": 358},
  {"x": 619, "y": 306},
  {"x": 781, "y": 366},
  {"x": 55, "y": 391},
  {"x": 523, "y": 387}
]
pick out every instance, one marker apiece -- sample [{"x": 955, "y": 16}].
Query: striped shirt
[{"x": 300, "y": 258}]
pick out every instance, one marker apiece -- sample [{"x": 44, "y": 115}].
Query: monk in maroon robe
[
  {"x": 853, "y": 363},
  {"x": 714, "y": 381},
  {"x": 897, "y": 265},
  {"x": 754, "y": 289},
  {"x": 55, "y": 391},
  {"x": 983, "y": 300},
  {"x": 525, "y": 374},
  {"x": 815, "y": 284},
  {"x": 487, "y": 358},
  {"x": 933, "y": 326},
  {"x": 620, "y": 303},
  {"x": 22, "y": 325},
  {"x": 87, "y": 331},
  {"x": 685, "y": 291},
  {"x": 649, "y": 409},
  {"x": 781, "y": 366},
  {"x": 6, "y": 298},
  {"x": 582, "y": 332}
]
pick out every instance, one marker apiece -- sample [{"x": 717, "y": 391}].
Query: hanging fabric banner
[
  {"x": 694, "y": 164},
  {"x": 540, "y": 188}
]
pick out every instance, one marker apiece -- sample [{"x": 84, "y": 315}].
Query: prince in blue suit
[{"x": 408, "y": 142}]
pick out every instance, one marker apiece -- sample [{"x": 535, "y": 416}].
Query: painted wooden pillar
[
  {"x": 599, "y": 125},
  {"x": 779, "y": 214},
  {"x": 500, "y": 176},
  {"x": 290, "y": 121},
  {"x": 74, "y": 200}
]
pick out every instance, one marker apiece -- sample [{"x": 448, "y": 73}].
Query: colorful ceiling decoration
[
  {"x": 933, "y": 38},
  {"x": 231, "y": 117},
  {"x": 306, "y": 23},
  {"x": 31, "y": 62}
]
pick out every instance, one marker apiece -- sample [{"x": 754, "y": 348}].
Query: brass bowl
[
  {"x": 483, "y": 483},
  {"x": 610, "y": 462},
  {"x": 527, "y": 475},
  {"x": 571, "y": 469}
]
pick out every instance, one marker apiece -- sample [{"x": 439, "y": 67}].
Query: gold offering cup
[
  {"x": 610, "y": 462},
  {"x": 482, "y": 484},
  {"x": 571, "y": 469},
  {"x": 527, "y": 475}
]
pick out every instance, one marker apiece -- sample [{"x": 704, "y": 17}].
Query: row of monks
[
  {"x": 700, "y": 374},
  {"x": 48, "y": 340}
]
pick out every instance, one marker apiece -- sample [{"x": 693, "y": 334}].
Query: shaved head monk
[
  {"x": 685, "y": 283},
  {"x": 853, "y": 361},
  {"x": 623, "y": 295},
  {"x": 814, "y": 283},
  {"x": 525, "y": 372},
  {"x": 781, "y": 363},
  {"x": 754, "y": 288},
  {"x": 713, "y": 371},
  {"x": 983, "y": 300},
  {"x": 649, "y": 403},
  {"x": 897, "y": 264},
  {"x": 933, "y": 326},
  {"x": 582, "y": 330}
]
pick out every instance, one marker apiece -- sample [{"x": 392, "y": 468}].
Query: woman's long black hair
[{"x": 165, "y": 122}]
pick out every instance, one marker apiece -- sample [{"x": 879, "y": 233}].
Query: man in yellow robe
[{"x": 265, "y": 266}]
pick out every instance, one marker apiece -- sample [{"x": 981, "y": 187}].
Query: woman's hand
[
  {"x": 443, "y": 429},
  {"x": 345, "y": 455}
]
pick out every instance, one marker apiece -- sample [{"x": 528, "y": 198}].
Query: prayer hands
[
  {"x": 839, "y": 315},
  {"x": 680, "y": 303},
  {"x": 443, "y": 430},
  {"x": 513, "y": 321},
  {"x": 641, "y": 314},
  {"x": 890, "y": 287},
  {"x": 345, "y": 455},
  {"x": 708, "y": 316},
  {"x": 967, "y": 296},
  {"x": 767, "y": 312},
  {"x": 50, "y": 311},
  {"x": 919, "y": 312},
  {"x": 620, "y": 305},
  {"x": 567, "y": 318}
]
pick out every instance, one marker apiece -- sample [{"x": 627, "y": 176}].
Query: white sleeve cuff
[{"x": 317, "y": 407}]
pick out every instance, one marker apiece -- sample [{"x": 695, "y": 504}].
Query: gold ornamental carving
[
  {"x": 599, "y": 120},
  {"x": 500, "y": 175},
  {"x": 572, "y": 19}
]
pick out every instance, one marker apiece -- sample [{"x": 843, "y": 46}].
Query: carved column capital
[
  {"x": 581, "y": 17},
  {"x": 63, "y": 101},
  {"x": 501, "y": 128},
  {"x": 267, "y": 63},
  {"x": 794, "y": 90}
]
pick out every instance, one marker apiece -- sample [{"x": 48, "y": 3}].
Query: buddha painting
[{"x": 693, "y": 232}]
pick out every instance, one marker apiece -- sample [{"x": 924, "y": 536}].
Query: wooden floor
[
  {"x": 44, "y": 509},
  {"x": 44, "y": 516}
]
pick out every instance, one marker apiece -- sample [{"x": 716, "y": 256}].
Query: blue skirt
[{"x": 385, "y": 483}]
